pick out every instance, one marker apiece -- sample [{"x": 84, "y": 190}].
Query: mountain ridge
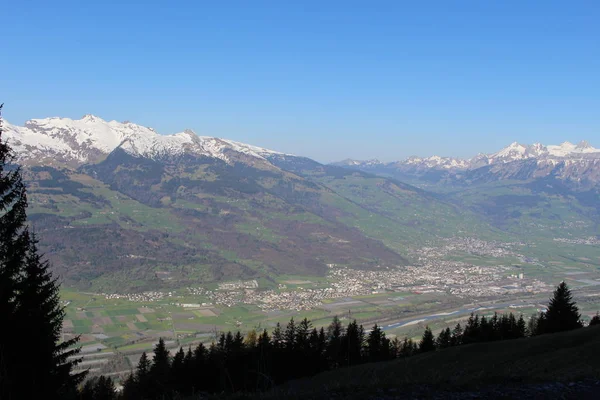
[
  {"x": 89, "y": 139},
  {"x": 513, "y": 152},
  {"x": 578, "y": 164},
  {"x": 187, "y": 209}
]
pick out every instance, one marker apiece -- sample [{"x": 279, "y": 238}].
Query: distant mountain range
[
  {"x": 577, "y": 165},
  {"x": 120, "y": 207},
  {"x": 63, "y": 141},
  {"x": 89, "y": 139}
]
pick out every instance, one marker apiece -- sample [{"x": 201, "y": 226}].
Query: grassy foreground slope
[{"x": 564, "y": 357}]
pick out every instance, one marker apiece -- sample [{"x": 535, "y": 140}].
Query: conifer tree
[
  {"x": 178, "y": 371},
  {"x": 532, "y": 325},
  {"x": 103, "y": 389},
  {"x": 334, "y": 342},
  {"x": 98, "y": 388},
  {"x": 378, "y": 346},
  {"x": 541, "y": 324},
  {"x": 457, "y": 335},
  {"x": 444, "y": 338},
  {"x": 264, "y": 361},
  {"x": 161, "y": 367},
  {"x": 562, "y": 314},
  {"x": 142, "y": 378},
  {"x": 188, "y": 370},
  {"x": 302, "y": 331},
  {"x": 290, "y": 335},
  {"x": 352, "y": 343},
  {"x": 427, "y": 341},
  {"x": 14, "y": 240},
  {"x": 41, "y": 313},
  {"x": 471, "y": 333},
  {"x": 395, "y": 347},
  {"x": 29, "y": 302},
  {"x": 486, "y": 330},
  {"x": 521, "y": 327},
  {"x": 320, "y": 350},
  {"x": 595, "y": 320},
  {"x": 130, "y": 388},
  {"x": 408, "y": 347},
  {"x": 302, "y": 351},
  {"x": 277, "y": 336}
]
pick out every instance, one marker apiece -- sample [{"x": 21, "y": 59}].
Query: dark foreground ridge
[{"x": 561, "y": 365}]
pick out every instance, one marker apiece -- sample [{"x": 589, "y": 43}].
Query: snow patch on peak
[
  {"x": 90, "y": 118},
  {"x": 514, "y": 150},
  {"x": 437, "y": 162},
  {"x": 86, "y": 139},
  {"x": 569, "y": 149},
  {"x": 583, "y": 145}
]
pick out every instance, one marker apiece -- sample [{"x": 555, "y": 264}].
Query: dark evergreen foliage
[
  {"x": 378, "y": 346},
  {"x": 562, "y": 314},
  {"x": 261, "y": 361},
  {"x": 34, "y": 362},
  {"x": 98, "y": 388},
  {"x": 160, "y": 371},
  {"x": 457, "y": 336},
  {"x": 444, "y": 339},
  {"x": 427, "y": 341}
]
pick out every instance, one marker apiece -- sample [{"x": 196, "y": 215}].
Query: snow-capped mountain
[
  {"x": 516, "y": 151},
  {"x": 353, "y": 163},
  {"x": 436, "y": 162},
  {"x": 76, "y": 142},
  {"x": 513, "y": 152},
  {"x": 578, "y": 163}
]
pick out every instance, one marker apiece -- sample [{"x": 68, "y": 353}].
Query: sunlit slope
[
  {"x": 133, "y": 221},
  {"x": 397, "y": 213}
]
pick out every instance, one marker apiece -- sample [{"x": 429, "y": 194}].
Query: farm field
[{"x": 112, "y": 328}]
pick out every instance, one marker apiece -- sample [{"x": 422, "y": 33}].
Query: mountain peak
[
  {"x": 91, "y": 118},
  {"x": 86, "y": 140},
  {"x": 583, "y": 145}
]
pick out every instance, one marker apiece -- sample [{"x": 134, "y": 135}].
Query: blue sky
[{"x": 325, "y": 79}]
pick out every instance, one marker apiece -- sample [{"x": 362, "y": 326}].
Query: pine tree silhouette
[
  {"x": 334, "y": 343},
  {"x": 29, "y": 303},
  {"x": 457, "y": 336},
  {"x": 98, "y": 388},
  {"x": 178, "y": 372},
  {"x": 444, "y": 338},
  {"x": 562, "y": 314},
  {"x": 41, "y": 313},
  {"x": 142, "y": 387},
  {"x": 130, "y": 388},
  {"x": 160, "y": 371},
  {"x": 378, "y": 346},
  {"x": 352, "y": 344},
  {"x": 14, "y": 239},
  {"x": 408, "y": 348},
  {"x": 521, "y": 327},
  {"x": 427, "y": 341}
]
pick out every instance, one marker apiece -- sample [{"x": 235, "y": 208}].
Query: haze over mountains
[
  {"x": 576, "y": 164},
  {"x": 76, "y": 142},
  {"x": 161, "y": 210}
]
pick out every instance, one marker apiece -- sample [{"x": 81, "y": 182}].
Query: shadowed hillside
[{"x": 516, "y": 367}]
